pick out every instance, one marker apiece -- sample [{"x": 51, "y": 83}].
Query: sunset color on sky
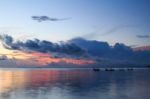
[{"x": 77, "y": 32}]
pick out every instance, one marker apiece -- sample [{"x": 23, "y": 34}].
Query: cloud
[
  {"x": 143, "y": 36},
  {"x": 119, "y": 53},
  {"x": 47, "y": 18},
  {"x": 142, "y": 48},
  {"x": 41, "y": 46},
  {"x": 100, "y": 52},
  {"x": 96, "y": 34},
  {"x": 3, "y": 57},
  {"x": 102, "y": 49}
]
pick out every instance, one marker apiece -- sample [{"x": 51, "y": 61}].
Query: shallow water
[{"x": 74, "y": 84}]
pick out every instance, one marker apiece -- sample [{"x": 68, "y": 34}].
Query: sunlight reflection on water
[{"x": 73, "y": 84}]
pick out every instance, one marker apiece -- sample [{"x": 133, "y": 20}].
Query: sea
[{"x": 55, "y": 83}]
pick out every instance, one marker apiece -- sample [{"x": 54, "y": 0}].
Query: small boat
[
  {"x": 121, "y": 69},
  {"x": 148, "y": 66},
  {"x": 109, "y": 69},
  {"x": 130, "y": 69},
  {"x": 96, "y": 69}
]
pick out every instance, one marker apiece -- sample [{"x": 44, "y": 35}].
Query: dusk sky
[
  {"x": 112, "y": 21},
  {"x": 123, "y": 18}
]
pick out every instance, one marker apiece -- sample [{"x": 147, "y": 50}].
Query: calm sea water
[{"x": 74, "y": 84}]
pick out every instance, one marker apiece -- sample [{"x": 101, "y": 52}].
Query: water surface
[{"x": 74, "y": 84}]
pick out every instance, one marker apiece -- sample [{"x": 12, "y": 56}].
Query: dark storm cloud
[
  {"x": 47, "y": 18},
  {"x": 143, "y": 36},
  {"x": 41, "y": 46}
]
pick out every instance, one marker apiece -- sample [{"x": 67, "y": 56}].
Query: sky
[
  {"x": 122, "y": 18},
  {"x": 112, "y": 21}
]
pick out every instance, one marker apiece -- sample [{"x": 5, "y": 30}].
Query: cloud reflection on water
[{"x": 66, "y": 84}]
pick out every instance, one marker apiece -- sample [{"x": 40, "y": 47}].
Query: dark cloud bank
[
  {"x": 101, "y": 52},
  {"x": 41, "y": 46},
  {"x": 119, "y": 54}
]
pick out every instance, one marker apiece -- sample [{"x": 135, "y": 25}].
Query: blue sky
[{"x": 104, "y": 20}]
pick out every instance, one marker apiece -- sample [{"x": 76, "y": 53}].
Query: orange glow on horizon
[
  {"x": 40, "y": 59},
  {"x": 49, "y": 60},
  {"x": 45, "y": 59}
]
